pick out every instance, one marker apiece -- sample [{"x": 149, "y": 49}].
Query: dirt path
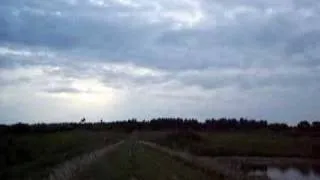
[{"x": 135, "y": 161}]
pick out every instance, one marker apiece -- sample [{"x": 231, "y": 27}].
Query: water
[
  {"x": 274, "y": 173},
  {"x": 291, "y": 174}
]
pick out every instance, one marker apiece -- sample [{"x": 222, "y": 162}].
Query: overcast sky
[{"x": 61, "y": 60}]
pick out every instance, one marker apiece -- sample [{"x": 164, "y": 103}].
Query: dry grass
[
  {"x": 234, "y": 167},
  {"x": 34, "y": 155},
  {"x": 238, "y": 143},
  {"x": 68, "y": 169},
  {"x": 214, "y": 170}
]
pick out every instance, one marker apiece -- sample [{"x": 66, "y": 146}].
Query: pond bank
[{"x": 238, "y": 168}]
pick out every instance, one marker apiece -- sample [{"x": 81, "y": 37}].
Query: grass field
[
  {"x": 136, "y": 161},
  {"x": 267, "y": 144},
  {"x": 32, "y": 156}
]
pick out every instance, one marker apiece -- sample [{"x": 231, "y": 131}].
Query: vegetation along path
[{"x": 133, "y": 160}]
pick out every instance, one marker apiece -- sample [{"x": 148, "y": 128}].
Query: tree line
[{"x": 220, "y": 124}]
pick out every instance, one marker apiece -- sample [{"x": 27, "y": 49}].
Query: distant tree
[
  {"x": 4, "y": 129},
  {"x": 278, "y": 126},
  {"x": 303, "y": 125},
  {"x": 20, "y": 128},
  {"x": 316, "y": 125}
]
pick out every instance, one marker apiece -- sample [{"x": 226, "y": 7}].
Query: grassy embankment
[
  {"x": 32, "y": 156},
  {"x": 136, "y": 161}
]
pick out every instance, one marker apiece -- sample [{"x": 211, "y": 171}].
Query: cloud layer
[{"x": 64, "y": 59}]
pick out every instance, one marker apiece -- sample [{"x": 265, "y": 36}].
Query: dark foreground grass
[
  {"x": 266, "y": 144},
  {"x": 136, "y": 161},
  {"x": 32, "y": 156}
]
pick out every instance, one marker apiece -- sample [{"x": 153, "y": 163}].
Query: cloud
[
  {"x": 62, "y": 90},
  {"x": 252, "y": 78},
  {"x": 160, "y": 58}
]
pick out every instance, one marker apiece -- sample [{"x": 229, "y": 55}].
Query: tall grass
[
  {"x": 69, "y": 169},
  {"x": 33, "y": 155}
]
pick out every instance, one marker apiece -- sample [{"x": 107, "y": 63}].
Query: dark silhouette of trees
[
  {"x": 222, "y": 124},
  {"x": 278, "y": 127},
  {"x": 234, "y": 124},
  {"x": 316, "y": 125},
  {"x": 304, "y": 125},
  {"x": 20, "y": 128}
]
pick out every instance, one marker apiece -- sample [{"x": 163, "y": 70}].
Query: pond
[{"x": 292, "y": 173}]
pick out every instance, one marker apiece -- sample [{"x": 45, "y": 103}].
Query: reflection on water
[
  {"x": 274, "y": 173},
  {"x": 291, "y": 174}
]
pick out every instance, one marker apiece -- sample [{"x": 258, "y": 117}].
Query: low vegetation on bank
[
  {"x": 267, "y": 144},
  {"x": 33, "y": 155}
]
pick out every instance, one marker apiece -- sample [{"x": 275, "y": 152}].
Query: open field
[
  {"x": 266, "y": 144},
  {"x": 32, "y": 156}
]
